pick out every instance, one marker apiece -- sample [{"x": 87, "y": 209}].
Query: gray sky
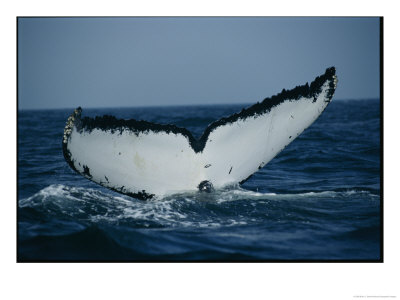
[{"x": 110, "y": 62}]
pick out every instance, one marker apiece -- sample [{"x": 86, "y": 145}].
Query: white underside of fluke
[{"x": 162, "y": 163}]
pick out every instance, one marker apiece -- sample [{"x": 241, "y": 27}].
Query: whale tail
[{"x": 143, "y": 159}]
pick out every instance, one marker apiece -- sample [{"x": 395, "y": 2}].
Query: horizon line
[{"x": 174, "y": 105}]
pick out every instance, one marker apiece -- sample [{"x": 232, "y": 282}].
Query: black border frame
[{"x": 381, "y": 260}]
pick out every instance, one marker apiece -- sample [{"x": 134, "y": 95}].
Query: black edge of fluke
[
  {"x": 259, "y": 108},
  {"x": 113, "y": 124},
  {"x": 73, "y": 120},
  {"x": 139, "y": 195}
]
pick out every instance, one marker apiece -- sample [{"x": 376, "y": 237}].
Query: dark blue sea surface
[{"x": 319, "y": 199}]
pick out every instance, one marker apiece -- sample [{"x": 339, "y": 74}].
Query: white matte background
[{"x": 204, "y": 280}]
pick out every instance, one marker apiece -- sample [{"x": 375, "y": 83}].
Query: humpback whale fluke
[{"x": 143, "y": 159}]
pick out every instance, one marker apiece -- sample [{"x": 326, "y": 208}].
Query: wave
[
  {"x": 55, "y": 191},
  {"x": 229, "y": 207}
]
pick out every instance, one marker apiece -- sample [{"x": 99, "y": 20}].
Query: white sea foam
[{"x": 183, "y": 210}]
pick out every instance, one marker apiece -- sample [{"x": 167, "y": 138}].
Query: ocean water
[{"x": 318, "y": 200}]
